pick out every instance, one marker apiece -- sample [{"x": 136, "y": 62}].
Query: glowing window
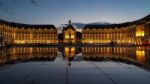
[
  {"x": 67, "y": 36},
  {"x": 72, "y": 36}
]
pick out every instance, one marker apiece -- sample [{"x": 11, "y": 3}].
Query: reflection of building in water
[
  {"x": 107, "y": 51},
  {"x": 147, "y": 55},
  {"x": 136, "y": 54},
  {"x": 69, "y": 52},
  {"x": 28, "y": 53},
  {"x": 140, "y": 54}
]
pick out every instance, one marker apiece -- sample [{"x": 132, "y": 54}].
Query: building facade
[
  {"x": 14, "y": 33},
  {"x": 69, "y": 34},
  {"x": 134, "y": 33}
]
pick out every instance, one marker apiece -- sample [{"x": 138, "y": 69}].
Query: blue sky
[{"x": 60, "y": 11}]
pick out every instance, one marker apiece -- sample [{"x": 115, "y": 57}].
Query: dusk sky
[{"x": 85, "y": 11}]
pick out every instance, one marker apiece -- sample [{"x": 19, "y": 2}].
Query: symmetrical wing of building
[
  {"x": 136, "y": 32},
  {"x": 15, "y": 33}
]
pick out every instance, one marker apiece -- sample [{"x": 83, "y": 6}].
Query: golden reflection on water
[
  {"x": 137, "y": 54},
  {"x": 69, "y": 51},
  {"x": 141, "y": 54},
  {"x": 15, "y": 54}
]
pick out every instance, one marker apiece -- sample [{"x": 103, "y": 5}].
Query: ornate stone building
[
  {"x": 136, "y": 32},
  {"x": 69, "y": 34},
  {"x": 15, "y": 33},
  {"x": 131, "y": 33}
]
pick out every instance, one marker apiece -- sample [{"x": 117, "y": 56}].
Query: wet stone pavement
[{"x": 82, "y": 72}]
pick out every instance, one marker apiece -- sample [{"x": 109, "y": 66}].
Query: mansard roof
[
  {"x": 112, "y": 26},
  {"x": 146, "y": 18},
  {"x": 19, "y": 25}
]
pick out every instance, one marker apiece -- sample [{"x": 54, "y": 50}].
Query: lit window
[
  {"x": 67, "y": 36},
  {"x": 72, "y": 36}
]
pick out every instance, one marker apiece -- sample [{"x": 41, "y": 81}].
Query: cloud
[
  {"x": 33, "y": 2},
  {"x": 5, "y": 9},
  {"x": 9, "y": 11}
]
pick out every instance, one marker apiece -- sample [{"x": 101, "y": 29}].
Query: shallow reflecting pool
[{"x": 75, "y": 65}]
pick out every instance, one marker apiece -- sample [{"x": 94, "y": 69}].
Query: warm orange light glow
[
  {"x": 140, "y": 56},
  {"x": 48, "y": 41},
  {"x": 19, "y": 42},
  {"x": 69, "y": 51},
  {"x": 22, "y": 42},
  {"x": 139, "y": 33},
  {"x": 90, "y": 41},
  {"x": 31, "y": 50},
  {"x": 66, "y": 36},
  {"x": 72, "y": 36},
  {"x": 66, "y": 49},
  {"x": 72, "y": 49}
]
